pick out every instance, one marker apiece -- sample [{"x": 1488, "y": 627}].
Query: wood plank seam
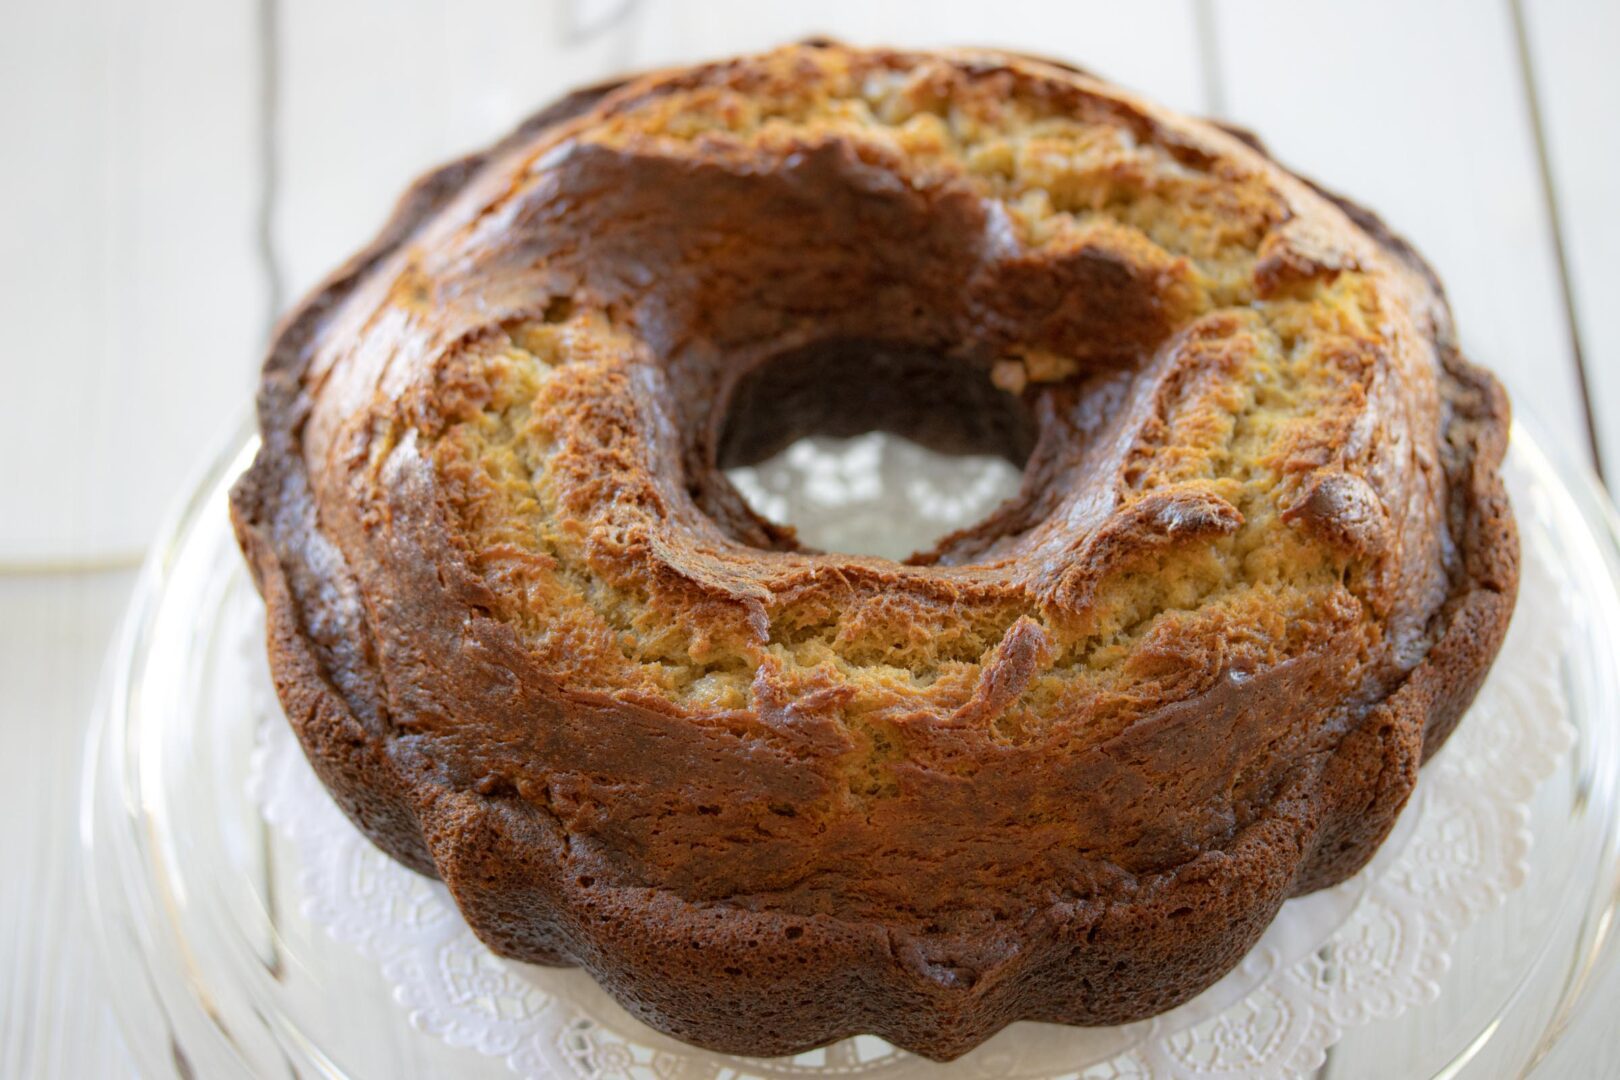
[
  {"x": 1549, "y": 196},
  {"x": 269, "y": 48},
  {"x": 1209, "y": 52}
]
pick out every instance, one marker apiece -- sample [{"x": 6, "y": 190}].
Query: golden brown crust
[{"x": 1063, "y": 767}]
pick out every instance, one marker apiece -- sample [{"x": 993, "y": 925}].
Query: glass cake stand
[{"x": 217, "y": 973}]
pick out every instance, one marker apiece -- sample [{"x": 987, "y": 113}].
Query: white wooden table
[{"x": 177, "y": 170}]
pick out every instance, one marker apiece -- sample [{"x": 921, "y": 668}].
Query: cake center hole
[{"x": 871, "y": 449}]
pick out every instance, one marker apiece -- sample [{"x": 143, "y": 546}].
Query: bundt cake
[{"x": 1065, "y": 765}]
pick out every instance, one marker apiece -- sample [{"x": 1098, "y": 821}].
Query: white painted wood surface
[
  {"x": 181, "y": 167},
  {"x": 1572, "y": 47},
  {"x": 55, "y": 1017},
  {"x": 132, "y": 301}
]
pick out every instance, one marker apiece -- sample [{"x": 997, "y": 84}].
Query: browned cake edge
[{"x": 762, "y": 983}]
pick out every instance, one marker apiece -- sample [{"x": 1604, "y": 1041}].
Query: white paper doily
[{"x": 1363, "y": 951}]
